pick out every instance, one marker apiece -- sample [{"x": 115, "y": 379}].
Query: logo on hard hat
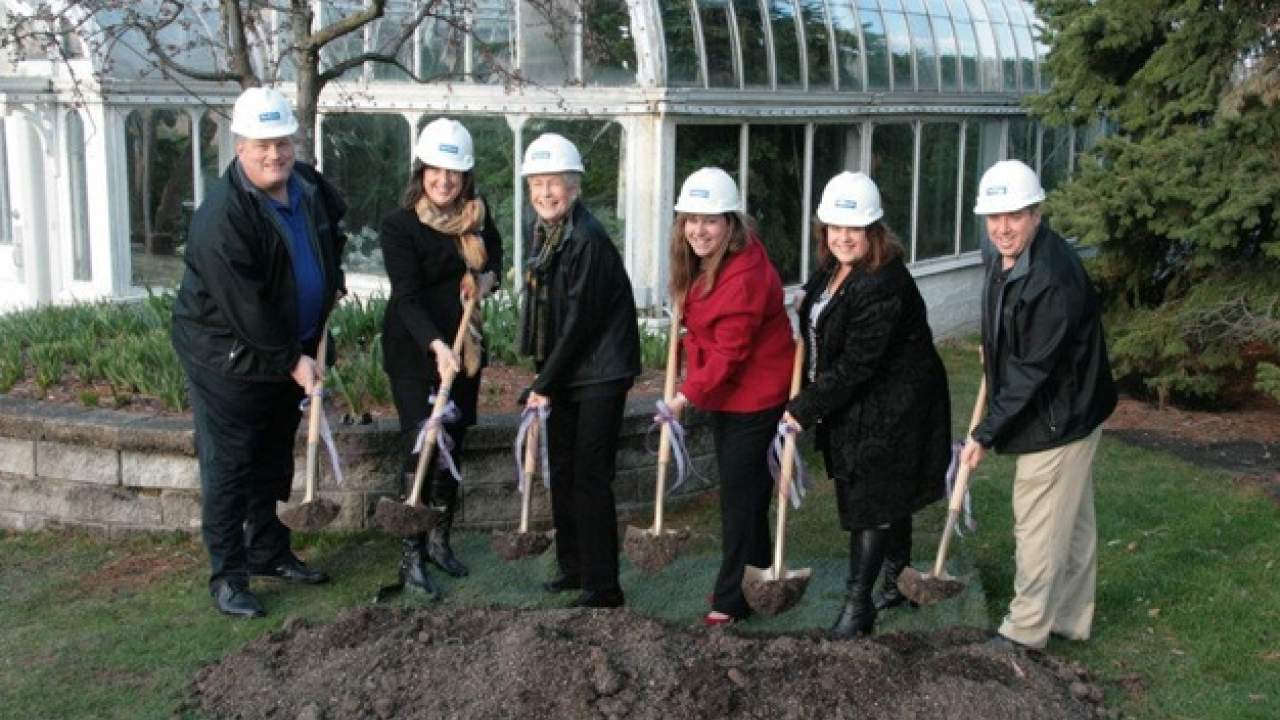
[
  {"x": 268, "y": 116},
  {"x": 541, "y": 155},
  {"x": 847, "y": 204},
  {"x": 451, "y": 149},
  {"x": 997, "y": 190},
  {"x": 700, "y": 193}
]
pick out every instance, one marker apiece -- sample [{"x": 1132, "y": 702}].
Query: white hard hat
[
  {"x": 850, "y": 200},
  {"x": 262, "y": 113},
  {"x": 444, "y": 143},
  {"x": 709, "y": 191},
  {"x": 1008, "y": 186},
  {"x": 550, "y": 153}
]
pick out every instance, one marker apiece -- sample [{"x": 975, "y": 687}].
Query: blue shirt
[{"x": 307, "y": 278}]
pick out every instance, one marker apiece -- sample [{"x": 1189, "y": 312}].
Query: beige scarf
[{"x": 464, "y": 225}]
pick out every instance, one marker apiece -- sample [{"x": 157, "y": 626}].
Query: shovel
[
  {"x": 314, "y": 513},
  {"x": 938, "y": 585},
  {"x": 408, "y": 518},
  {"x": 776, "y": 589},
  {"x": 652, "y": 549},
  {"x": 522, "y": 543}
]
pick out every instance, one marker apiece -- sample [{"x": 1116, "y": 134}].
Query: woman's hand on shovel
[
  {"x": 446, "y": 361},
  {"x": 677, "y": 404},
  {"x": 792, "y": 422}
]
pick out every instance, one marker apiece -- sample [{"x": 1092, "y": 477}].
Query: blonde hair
[{"x": 687, "y": 268}]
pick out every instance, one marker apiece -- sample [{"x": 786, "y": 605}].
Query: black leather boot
[
  {"x": 444, "y": 496},
  {"x": 897, "y": 556},
  {"x": 866, "y": 553},
  {"x": 413, "y": 568}
]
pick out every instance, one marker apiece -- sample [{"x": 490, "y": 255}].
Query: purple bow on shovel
[
  {"x": 326, "y": 435},
  {"x": 679, "y": 446},
  {"x": 444, "y": 443},
  {"x": 799, "y": 482},
  {"x": 952, "y": 469},
  {"x": 527, "y": 418}
]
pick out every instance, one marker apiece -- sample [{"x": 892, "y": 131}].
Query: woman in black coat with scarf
[
  {"x": 876, "y": 390},
  {"x": 440, "y": 246}
]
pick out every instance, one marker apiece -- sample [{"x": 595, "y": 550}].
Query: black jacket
[
  {"x": 1048, "y": 377},
  {"x": 425, "y": 270},
  {"x": 879, "y": 395},
  {"x": 593, "y": 312},
  {"x": 236, "y": 311}
]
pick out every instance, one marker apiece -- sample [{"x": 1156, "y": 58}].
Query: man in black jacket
[
  {"x": 262, "y": 272},
  {"x": 1050, "y": 389}
]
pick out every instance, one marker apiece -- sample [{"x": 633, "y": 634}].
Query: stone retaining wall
[{"x": 115, "y": 472}]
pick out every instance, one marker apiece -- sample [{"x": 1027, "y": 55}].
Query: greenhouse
[{"x": 104, "y": 157}]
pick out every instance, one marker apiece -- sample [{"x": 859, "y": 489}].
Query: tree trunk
[{"x": 309, "y": 87}]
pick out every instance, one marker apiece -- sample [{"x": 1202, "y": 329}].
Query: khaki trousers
[{"x": 1057, "y": 544}]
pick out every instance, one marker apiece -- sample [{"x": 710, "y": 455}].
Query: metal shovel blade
[
  {"x": 403, "y": 520},
  {"x": 924, "y": 589},
  {"x": 652, "y": 551},
  {"x": 769, "y": 595},
  {"x": 310, "y": 516},
  {"x": 514, "y": 544}
]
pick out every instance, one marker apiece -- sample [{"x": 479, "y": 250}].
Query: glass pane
[
  {"x": 947, "y": 54},
  {"x": 774, "y": 194},
  {"x": 608, "y": 50},
  {"x": 755, "y": 52},
  {"x": 440, "y": 45},
  {"x": 683, "y": 67},
  {"x": 547, "y": 33},
  {"x": 968, "y": 56},
  {"x": 385, "y": 36},
  {"x": 900, "y": 45},
  {"x": 995, "y": 11},
  {"x": 836, "y": 148},
  {"x": 990, "y": 60},
  {"x": 892, "y": 163},
  {"x": 938, "y": 8},
  {"x": 600, "y": 142},
  {"x": 158, "y": 147},
  {"x": 786, "y": 41},
  {"x": 1022, "y": 140},
  {"x": 717, "y": 42},
  {"x": 877, "y": 50},
  {"x": 347, "y": 46},
  {"x": 81, "y": 266},
  {"x": 493, "y": 41},
  {"x": 1026, "y": 58},
  {"x": 848, "y": 55},
  {"x": 6, "y": 211},
  {"x": 1055, "y": 166},
  {"x": 936, "y": 209},
  {"x": 211, "y": 167},
  {"x": 926, "y": 58},
  {"x": 699, "y": 146},
  {"x": 817, "y": 43},
  {"x": 1008, "y": 57},
  {"x": 959, "y": 10},
  {"x": 981, "y": 151},
  {"x": 368, "y": 156}
]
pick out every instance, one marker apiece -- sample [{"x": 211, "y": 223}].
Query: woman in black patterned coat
[{"x": 876, "y": 390}]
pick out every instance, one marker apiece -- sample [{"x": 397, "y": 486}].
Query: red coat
[{"x": 739, "y": 349}]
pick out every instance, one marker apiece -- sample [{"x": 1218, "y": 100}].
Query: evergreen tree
[{"x": 1180, "y": 197}]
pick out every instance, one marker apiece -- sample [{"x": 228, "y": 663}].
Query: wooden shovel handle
[
  {"x": 956, "y": 502},
  {"x": 530, "y": 469},
  {"x": 784, "y": 478},
  {"x": 315, "y": 408},
  {"x": 442, "y": 399},
  {"x": 664, "y": 435}
]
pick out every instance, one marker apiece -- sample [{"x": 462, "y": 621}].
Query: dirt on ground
[{"x": 469, "y": 663}]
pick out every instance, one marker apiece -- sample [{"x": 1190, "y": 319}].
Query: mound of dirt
[{"x": 500, "y": 663}]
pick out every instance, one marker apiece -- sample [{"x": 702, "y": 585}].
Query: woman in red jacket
[{"x": 738, "y": 355}]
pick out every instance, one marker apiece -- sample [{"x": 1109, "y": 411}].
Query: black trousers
[
  {"x": 746, "y": 487},
  {"x": 245, "y": 434},
  {"x": 583, "y": 443},
  {"x": 412, "y": 398}
]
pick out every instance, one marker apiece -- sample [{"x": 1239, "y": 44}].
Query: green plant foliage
[
  {"x": 1268, "y": 379},
  {"x": 12, "y": 367},
  {"x": 1180, "y": 199}
]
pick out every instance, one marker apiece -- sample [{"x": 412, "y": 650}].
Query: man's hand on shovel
[
  {"x": 972, "y": 454},
  {"x": 307, "y": 374}
]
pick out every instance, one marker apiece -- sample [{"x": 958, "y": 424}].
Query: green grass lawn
[{"x": 1188, "y": 622}]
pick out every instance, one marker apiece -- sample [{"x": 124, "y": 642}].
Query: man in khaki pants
[{"x": 1050, "y": 389}]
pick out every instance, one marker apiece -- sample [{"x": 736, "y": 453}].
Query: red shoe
[{"x": 717, "y": 619}]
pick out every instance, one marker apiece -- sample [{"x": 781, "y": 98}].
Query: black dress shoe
[
  {"x": 599, "y": 599},
  {"x": 562, "y": 583},
  {"x": 293, "y": 570},
  {"x": 235, "y": 600},
  {"x": 1006, "y": 644}
]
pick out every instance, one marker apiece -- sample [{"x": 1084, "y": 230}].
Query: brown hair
[
  {"x": 687, "y": 268},
  {"x": 883, "y": 246},
  {"x": 413, "y": 192}
]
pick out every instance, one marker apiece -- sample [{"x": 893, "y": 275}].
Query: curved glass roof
[{"x": 837, "y": 46}]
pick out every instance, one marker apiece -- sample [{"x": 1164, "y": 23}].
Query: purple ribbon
[
  {"x": 527, "y": 418},
  {"x": 679, "y": 445},
  {"x": 326, "y": 434},
  {"x": 799, "y": 483},
  {"x": 444, "y": 444},
  {"x": 952, "y": 470}
]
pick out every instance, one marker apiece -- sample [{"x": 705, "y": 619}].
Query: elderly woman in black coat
[{"x": 876, "y": 390}]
